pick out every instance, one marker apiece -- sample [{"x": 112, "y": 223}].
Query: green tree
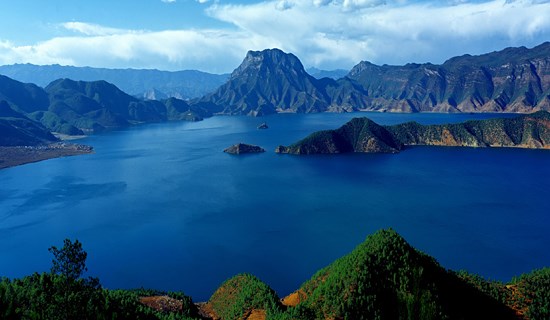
[
  {"x": 70, "y": 260},
  {"x": 75, "y": 298}
]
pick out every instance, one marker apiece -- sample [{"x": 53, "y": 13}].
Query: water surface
[{"x": 162, "y": 206}]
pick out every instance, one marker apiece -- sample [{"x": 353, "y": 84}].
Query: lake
[{"x": 161, "y": 206}]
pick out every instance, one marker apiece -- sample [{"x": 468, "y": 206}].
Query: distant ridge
[
  {"x": 142, "y": 83},
  {"x": 333, "y": 74}
]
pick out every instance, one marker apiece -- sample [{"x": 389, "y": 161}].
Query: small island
[
  {"x": 263, "y": 126},
  {"x": 241, "y": 148},
  {"x": 531, "y": 131}
]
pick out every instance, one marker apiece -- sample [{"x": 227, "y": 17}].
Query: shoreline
[{"x": 20, "y": 155}]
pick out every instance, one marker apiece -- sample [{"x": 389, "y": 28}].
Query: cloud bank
[{"x": 322, "y": 33}]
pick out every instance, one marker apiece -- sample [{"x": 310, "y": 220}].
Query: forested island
[
  {"x": 364, "y": 135},
  {"x": 383, "y": 278}
]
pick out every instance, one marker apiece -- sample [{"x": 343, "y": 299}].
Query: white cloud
[
  {"x": 202, "y": 1},
  {"x": 168, "y": 1},
  {"x": 320, "y": 3},
  {"x": 209, "y": 50},
  {"x": 284, "y": 5},
  {"x": 360, "y": 4},
  {"x": 91, "y": 29},
  {"x": 322, "y": 33},
  {"x": 336, "y": 33}
]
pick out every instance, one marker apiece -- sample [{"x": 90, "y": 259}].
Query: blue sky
[{"x": 214, "y": 35}]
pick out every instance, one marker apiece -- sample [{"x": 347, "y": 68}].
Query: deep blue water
[{"x": 162, "y": 206}]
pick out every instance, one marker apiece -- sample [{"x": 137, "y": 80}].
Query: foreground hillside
[
  {"x": 364, "y": 135},
  {"x": 383, "y": 278}
]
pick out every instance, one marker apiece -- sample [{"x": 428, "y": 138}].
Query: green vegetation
[
  {"x": 357, "y": 135},
  {"x": 383, "y": 278},
  {"x": 238, "y": 296},
  {"x": 364, "y": 135},
  {"x": 64, "y": 295},
  {"x": 16, "y": 129},
  {"x": 534, "y": 293}
]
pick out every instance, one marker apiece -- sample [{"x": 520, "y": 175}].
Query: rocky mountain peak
[
  {"x": 360, "y": 68},
  {"x": 268, "y": 60}
]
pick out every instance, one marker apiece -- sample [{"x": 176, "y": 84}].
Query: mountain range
[
  {"x": 77, "y": 107},
  {"x": 271, "y": 81},
  {"x": 333, "y": 74},
  {"x": 141, "y": 83}
]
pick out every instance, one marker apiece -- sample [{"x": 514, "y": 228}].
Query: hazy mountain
[
  {"x": 333, "y": 74},
  {"x": 364, "y": 135},
  {"x": 139, "y": 82},
  {"x": 267, "y": 82}
]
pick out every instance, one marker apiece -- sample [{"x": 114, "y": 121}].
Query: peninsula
[
  {"x": 23, "y": 140},
  {"x": 364, "y": 135}
]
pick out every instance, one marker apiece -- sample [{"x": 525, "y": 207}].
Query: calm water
[{"x": 162, "y": 206}]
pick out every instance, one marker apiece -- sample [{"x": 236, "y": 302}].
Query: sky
[{"x": 214, "y": 35}]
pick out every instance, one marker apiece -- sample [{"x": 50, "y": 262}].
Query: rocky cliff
[
  {"x": 268, "y": 82},
  {"x": 511, "y": 80}
]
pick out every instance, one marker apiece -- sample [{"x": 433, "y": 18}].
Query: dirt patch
[
  {"x": 514, "y": 304},
  {"x": 256, "y": 315},
  {"x": 447, "y": 138},
  {"x": 294, "y": 298},
  {"x": 162, "y": 303},
  {"x": 206, "y": 311}
]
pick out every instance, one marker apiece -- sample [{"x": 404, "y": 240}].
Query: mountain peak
[
  {"x": 266, "y": 82},
  {"x": 268, "y": 59},
  {"x": 360, "y": 68}
]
